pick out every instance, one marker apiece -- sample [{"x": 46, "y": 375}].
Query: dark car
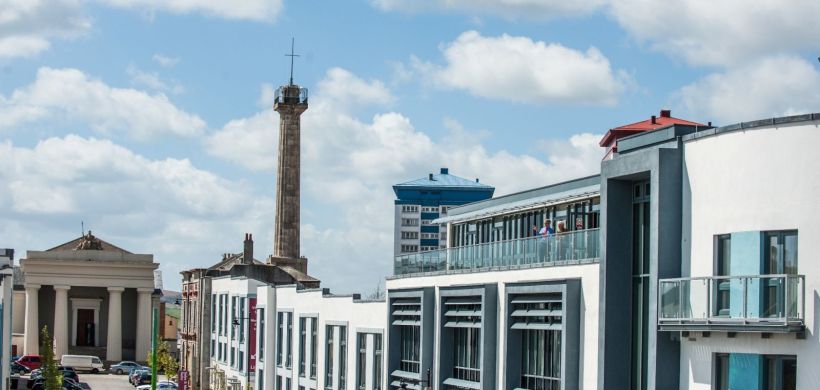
[
  {"x": 134, "y": 376},
  {"x": 19, "y": 369},
  {"x": 67, "y": 372},
  {"x": 143, "y": 379},
  {"x": 68, "y": 384}
]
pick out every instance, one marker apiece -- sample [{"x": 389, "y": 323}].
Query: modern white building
[
  {"x": 686, "y": 264},
  {"x": 311, "y": 339}
]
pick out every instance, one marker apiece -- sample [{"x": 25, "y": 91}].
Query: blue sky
[{"x": 151, "y": 121}]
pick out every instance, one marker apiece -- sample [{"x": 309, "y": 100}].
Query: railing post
[{"x": 745, "y": 297}]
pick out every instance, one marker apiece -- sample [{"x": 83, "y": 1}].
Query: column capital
[
  {"x": 61, "y": 287},
  {"x": 145, "y": 290},
  {"x": 32, "y": 286},
  {"x": 116, "y": 289}
]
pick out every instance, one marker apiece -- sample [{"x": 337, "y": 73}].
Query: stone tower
[{"x": 291, "y": 102}]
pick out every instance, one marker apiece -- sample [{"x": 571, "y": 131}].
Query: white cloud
[
  {"x": 71, "y": 94},
  {"x": 775, "y": 86},
  {"x": 506, "y": 8},
  {"x": 153, "y": 81},
  {"x": 258, "y": 10},
  {"x": 184, "y": 215},
  {"x": 28, "y": 26},
  {"x": 349, "y": 165},
  {"x": 165, "y": 61},
  {"x": 724, "y": 32},
  {"x": 522, "y": 70}
]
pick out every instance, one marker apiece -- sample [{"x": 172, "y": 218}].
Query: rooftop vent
[
  {"x": 445, "y": 171},
  {"x": 654, "y": 120},
  {"x": 666, "y": 113},
  {"x": 431, "y": 177},
  {"x": 476, "y": 180}
]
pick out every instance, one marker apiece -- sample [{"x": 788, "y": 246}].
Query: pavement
[{"x": 99, "y": 382}]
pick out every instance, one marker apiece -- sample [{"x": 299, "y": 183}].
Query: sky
[{"x": 150, "y": 121}]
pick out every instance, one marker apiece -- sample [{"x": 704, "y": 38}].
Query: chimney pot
[
  {"x": 709, "y": 124},
  {"x": 445, "y": 171},
  {"x": 476, "y": 180},
  {"x": 666, "y": 113},
  {"x": 654, "y": 120},
  {"x": 431, "y": 177}
]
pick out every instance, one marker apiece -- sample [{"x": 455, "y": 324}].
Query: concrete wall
[
  {"x": 588, "y": 274},
  {"x": 754, "y": 180}
]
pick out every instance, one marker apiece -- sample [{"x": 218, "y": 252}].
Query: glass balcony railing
[
  {"x": 578, "y": 247},
  {"x": 766, "y": 303}
]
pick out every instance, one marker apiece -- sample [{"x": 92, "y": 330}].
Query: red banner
[
  {"x": 182, "y": 380},
  {"x": 252, "y": 335}
]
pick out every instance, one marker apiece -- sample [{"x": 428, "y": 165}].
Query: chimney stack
[
  {"x": 247, "y": 253},
  {"x": 654, "y": 120},
  {"x": 476, "y": 180},
  {"x": 666, "y": 113},
  {"x": 445, "y": 171},
  {"x": 431, "y": 177}
]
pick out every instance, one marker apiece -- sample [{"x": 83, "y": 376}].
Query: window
[
  {"x": 409, "y": 222},
  {"x": 289, "y": 338},
  {"x": 234, "y": 306},
  {"x": 361, "y": 361},
  {"x": 280, "y": 330},
  {"x": 409, "y": 248},
  {"x": 537, "y": 323},
  {"x": 314, "y": 346},
  {"x": 410, "y": 209},
  {"x": 261, "y": 379},
  {"x": 409, "y": 235},
  {"x": 343, "y": 358},
  {"x": 768, "y": 372},
  {"x": 302, "y": 345},
  {"x": 724, "y": 261},
  {"x": 462, "y": 318},
  {"x": 377, "y": 362},
  {"x": 242, "y": 319},
  {"x": 329, "y": 357}
]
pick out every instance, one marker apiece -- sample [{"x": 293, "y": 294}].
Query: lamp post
[{"x": 235, "y": 323}]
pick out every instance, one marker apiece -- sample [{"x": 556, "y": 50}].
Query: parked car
[
  {"x": 123, "y": 367},
  {"x": 135, "y": 375},
  {"x": 67, "y": 372},
  {"x": 30, "y": 361},
  {"x": 89, "y": 363},
  {"x": 19, "y": 369},
  {"x": 143, "y": 378},
  {"x": 68, "y": 384},
  {"x": 164, "y": 385}
]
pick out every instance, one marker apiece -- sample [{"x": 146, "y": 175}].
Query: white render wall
[
  {"x": 239, "y": 287},
  {"x": 357, "y": 315},
  {"x": 589, "y": 276},
  {"x": 753, "y": 180}
]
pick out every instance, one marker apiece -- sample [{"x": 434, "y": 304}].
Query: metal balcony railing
[
  {"x": 752, "y": 303},
  {"x": 577, "y": 247}
]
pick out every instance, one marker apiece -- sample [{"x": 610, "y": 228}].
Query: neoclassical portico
[{"x": 94, "y": 297}]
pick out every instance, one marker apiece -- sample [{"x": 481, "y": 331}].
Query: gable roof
[
  {"x": 665, "y": 119},
  {"x": 72, "y": 245}
]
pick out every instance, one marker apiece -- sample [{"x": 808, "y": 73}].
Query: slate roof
[{"x": 444, "y": 180}]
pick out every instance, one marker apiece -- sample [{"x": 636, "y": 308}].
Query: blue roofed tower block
[{"x": 419, "y": 202}]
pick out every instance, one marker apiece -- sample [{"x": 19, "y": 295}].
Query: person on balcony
[{"x": 545, "y": 232}]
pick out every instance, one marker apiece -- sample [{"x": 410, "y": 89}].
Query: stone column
[
  {"x": 113, "y": 351},
  {"x": 32, "y": 336},
  {"x": 143, "y": 323},
  {"x": 61, "y": 320}
]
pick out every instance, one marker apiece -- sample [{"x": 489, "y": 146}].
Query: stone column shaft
[
  {"x": 32, "y": 336},
  {"x": 114, "y": 345},
  {"x": 143, "y": 323},
  {"x": 61, "y": 320}
]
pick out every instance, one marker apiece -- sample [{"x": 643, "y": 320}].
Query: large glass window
[
  {"x": 724, "y": 268},
  {"x": 780, "y": 257},
  {"x": 242, "y": 319},
  {"x": 467, "y": 354},
  {"x": 342, "y": 357},
  {"x": 262, "y": 332},
  {"x": 640, "y": 284},
  {"x": 747, "y": 371}
]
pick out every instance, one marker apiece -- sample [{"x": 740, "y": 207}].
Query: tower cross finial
[{"x": 291, "y": 55}]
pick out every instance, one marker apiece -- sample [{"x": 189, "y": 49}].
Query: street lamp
[{"x": 236, "y": 323}]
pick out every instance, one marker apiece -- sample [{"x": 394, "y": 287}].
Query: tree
[
  {"x": 53, "y": 378},
  {"x": 165, "y": 361}
]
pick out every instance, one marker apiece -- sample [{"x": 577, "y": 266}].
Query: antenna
[
  {"x": 291, "y": 55},
  {"x": 82, "y": 228}
]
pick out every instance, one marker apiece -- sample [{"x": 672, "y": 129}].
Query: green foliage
[
  {"x": 53, "y": 377},
  {"x": 165, "y": 361}
]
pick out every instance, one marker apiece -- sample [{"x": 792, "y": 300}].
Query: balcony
[
  {"x": 578, "y": 247},
  {"x": 754, "y": 303}
]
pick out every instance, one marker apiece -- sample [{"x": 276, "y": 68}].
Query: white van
[{"x": 83, "y": 363}]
